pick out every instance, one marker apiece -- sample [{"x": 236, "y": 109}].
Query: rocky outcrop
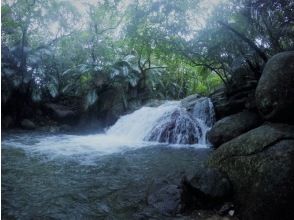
[
  {"x": 61, "y": 113},
  {"x": 260, "y": 167},
  {"x": 190, "y": 101},
  {"x": 259, "y": 162},
  {"x": 237, "y": 96},
  {"x": 177, "y": 127},
  {"x": 275, "y": 90},
  {"x": 232, "y": 126}
]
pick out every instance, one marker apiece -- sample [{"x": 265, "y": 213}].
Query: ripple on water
[{"x": 51, "y": 182}]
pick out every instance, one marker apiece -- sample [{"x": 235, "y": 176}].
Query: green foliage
[{"x": 143, "y": 49}]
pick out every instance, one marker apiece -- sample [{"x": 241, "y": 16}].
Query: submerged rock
[
  {"x": 232, "y": 126},
  {"x": 275, "y": 89},
  {"x": 177, "y": 127},
  {"x": 207, "y": 189},
  {"x": 27, "y": 124},
  {"x": 260, "y": 167},
  {"x": 166, "y": 200}
]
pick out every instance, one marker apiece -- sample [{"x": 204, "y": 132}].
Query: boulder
[
  {"x": 27, "y": 124},
  {"x": 61, "y": 113},
  {"x": 225, "y": 104},
  {"x": 238, "y": 95},
  {"x": 177, "y": 127},
  {"x": 166, "y": 200},
  {"x": 212, "y": 182},
  {"x": 232, "y": 126},
  {"x": 260, "y": 166},
  {"x": 207, "y": 189},
  {"x": 275, "y": 89},
  {"x": 190, "y": 101}
]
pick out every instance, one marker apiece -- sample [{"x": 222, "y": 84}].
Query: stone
[
  {"x": 275, "y": 89},
  {"x": 260, "y": 166},
  {"x": 225, "y": 105},
  {"x": 28, "y": 124},
  {"x": 166, "y": 200},
  {"x": 60, "y": 112},
  {"x": 177, "y": 127},
  {"x": 232, "y": 126},
  {"x": 212, "y": 182},
  {"x": 189, "y": 102},
  {"x": 237, "y": 95},
  {"x": 207, "y": 189}
]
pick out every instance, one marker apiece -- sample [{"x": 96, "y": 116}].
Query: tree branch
[{"x": 247, "y": 40}]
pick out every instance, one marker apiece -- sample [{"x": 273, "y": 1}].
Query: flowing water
[{"x": 103, "y": 176}]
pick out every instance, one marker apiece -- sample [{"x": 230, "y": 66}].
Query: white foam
[{"x": 127, "y": 133}]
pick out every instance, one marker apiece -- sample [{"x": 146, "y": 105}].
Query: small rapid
[
  {"x": 101, "y": 176},
  {"x": 168, "y": 123}
]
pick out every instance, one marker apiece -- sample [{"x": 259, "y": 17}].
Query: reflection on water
[{"x": 42, "y": 180}]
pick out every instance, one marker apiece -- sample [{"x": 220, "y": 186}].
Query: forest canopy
[{"x": 140, "y": 49}]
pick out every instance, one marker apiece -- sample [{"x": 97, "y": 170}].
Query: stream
[{"x": 101, "y": 176}]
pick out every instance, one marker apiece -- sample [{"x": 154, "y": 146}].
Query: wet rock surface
[
  {"x": 259, "y": 164},
  {"x": 166, "y": 200},
  {"x": 207, "y": 189},
  {"x": 275, "y": 90},
  {"x": 178, "y": 127},
  {"x": 190, "y": 101},
  {"x": 232, "y": 126}
]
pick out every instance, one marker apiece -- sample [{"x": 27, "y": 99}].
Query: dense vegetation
[{"x": 133, "y": 51}]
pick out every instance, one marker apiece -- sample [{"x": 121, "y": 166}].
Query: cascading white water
[
  {"x": 169, "y": 123},
  {"x": 204, "y": 113},
  {"x": 137, "y": 125},
  {"x": 181, "y": 127}
]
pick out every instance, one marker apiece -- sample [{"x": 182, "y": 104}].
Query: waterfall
[
  {"x": 167, "y": 123},
  {"x": 137, "y": 125},
  {"x": 204, "y": 113},
  {"x": 178, "y": 126}
]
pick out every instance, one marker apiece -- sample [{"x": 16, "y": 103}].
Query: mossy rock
[
  {"x": 275, "y": 89},
  {"x": 260, "y": 167}
]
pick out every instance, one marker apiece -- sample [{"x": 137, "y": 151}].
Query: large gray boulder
[
  {"x": 275, "y": 89},
  {"x": 260, "y": 166},
  {"x": 166, "y": 200},
  {"x": 232, "y": 126},
  {"x": 207, "y": 189}
]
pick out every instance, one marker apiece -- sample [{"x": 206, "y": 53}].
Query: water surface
[{"x": 86, "y": 177}]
